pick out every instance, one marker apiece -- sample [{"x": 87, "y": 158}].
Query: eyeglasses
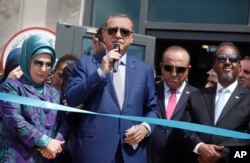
[
  {"x": 40, "y": 64},
  {"x": 231, "y": 58},
  {"x": 178, "y": 69},
  {"x": 124, "y": 32}
]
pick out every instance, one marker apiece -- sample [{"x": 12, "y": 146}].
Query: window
[
  {"x": 199, "y": 11},
  {"x": 101, "y": 9}
]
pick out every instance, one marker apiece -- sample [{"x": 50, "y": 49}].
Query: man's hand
[
  {"x": 107, "y": 60},
  {"x": 135, "y": 134},
  {"x": 209, "y": 153}
]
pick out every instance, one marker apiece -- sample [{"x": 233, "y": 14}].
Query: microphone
[{"x": 115, "y": 67}]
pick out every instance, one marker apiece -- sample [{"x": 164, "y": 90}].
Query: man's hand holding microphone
[{"x": 111, "y": 59}]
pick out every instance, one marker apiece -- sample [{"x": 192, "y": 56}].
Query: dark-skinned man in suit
[{"x": 234, "y": 114}]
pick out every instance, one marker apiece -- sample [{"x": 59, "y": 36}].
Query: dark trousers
[{"x": 118, "y": 156}]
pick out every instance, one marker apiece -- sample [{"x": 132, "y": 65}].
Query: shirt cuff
[
  {"x": 43, "y": 142},
  {"x": 148, "y": 127},
  {"x": 101, "y": 74},
  {"x": 197, "y": 147}
]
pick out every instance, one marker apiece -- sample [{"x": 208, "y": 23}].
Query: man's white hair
[{"x": 211, "y": 72}]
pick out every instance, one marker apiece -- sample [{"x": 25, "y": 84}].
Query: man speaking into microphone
[{"x": 113, "y": 82}]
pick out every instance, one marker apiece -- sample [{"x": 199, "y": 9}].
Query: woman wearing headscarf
[{"x": 32, "y": 134}]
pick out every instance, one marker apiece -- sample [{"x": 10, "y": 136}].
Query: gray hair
[{"x": 212, "y": 72}]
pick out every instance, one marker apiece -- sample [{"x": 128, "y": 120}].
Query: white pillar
[
  {"x": 33, "y": 13},
  {"x": 81, "y": 12}
]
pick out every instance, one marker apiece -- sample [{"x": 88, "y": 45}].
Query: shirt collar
[
  {"x": 123, "y": 59},
  {"x": 230, "y": 87},
  {"x": 178, "y": 90}
]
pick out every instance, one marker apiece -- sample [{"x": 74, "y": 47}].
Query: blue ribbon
[{"x": 156, "y": 121}]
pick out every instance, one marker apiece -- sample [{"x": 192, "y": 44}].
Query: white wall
[{"x": 33, "y": 13}]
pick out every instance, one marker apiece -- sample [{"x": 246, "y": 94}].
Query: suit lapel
[
  {"x": 97, "y": 60},
  {"x": 161, "y": 98},
  {"x": 130, "y": 75},
  {"x": 111, "y": 88},
  {"x": 209, "y": 97},
  {"x": 234, "y": 99},
  {"x": 183, "y": 99}
]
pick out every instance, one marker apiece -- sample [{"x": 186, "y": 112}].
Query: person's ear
[
  {"x": 161, "y": 67},
  {"x": 189, "y": 68},
  {"x": 94, "y": 40},
  {"x": 132, "y": 38}
]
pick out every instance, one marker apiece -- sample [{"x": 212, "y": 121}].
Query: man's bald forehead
[{"x": 176, "y": 48}]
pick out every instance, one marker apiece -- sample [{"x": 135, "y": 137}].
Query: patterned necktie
[
  {"x": 220, "y": 103},
  {"x": 171, "y": 104},
  {"x": 117, "y": 81}
]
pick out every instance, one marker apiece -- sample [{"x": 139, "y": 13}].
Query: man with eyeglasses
[
  {"x": 224, "y": 105},
  {"x": 244, "y": 74},
  {"x": 94, "y": 83},
  {"x": 97, "y": 41},
  {"x": 165, "y": 144}
]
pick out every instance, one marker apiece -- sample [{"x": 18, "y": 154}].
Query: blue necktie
[{"x": 220, "y": 104}]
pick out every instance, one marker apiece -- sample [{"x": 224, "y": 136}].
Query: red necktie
[{"x": 171, "y": 104}]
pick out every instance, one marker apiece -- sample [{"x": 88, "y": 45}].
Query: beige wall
[{"x": 16, "y": 15}]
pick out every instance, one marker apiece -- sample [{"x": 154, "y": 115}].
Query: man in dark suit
[
  {"x": 105, "y": 139},
  {"x": 164, "y": 144},
  {"x": 205, "y": 107}
]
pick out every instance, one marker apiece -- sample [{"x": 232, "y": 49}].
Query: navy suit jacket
[
  {"x": 235, "y": 116},
  {"x": 99, "y": 136},
  {"x": 165, "y": 143}
]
